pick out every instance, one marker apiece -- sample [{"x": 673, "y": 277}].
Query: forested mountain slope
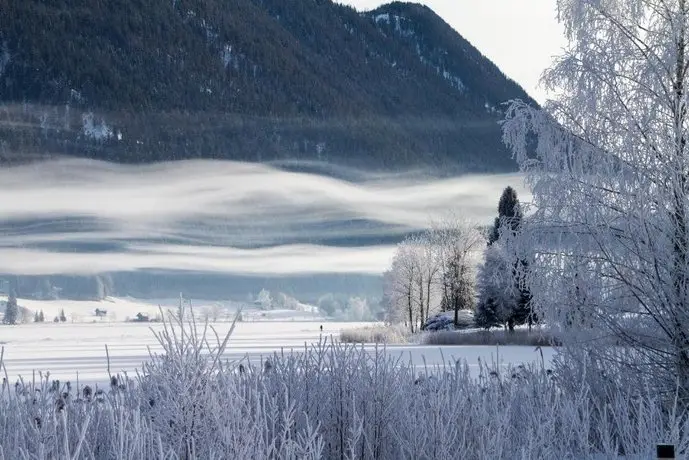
[{"x": 256, "y": 80}]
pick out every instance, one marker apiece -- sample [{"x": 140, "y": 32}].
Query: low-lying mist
[{"x": 84, "y": 217}]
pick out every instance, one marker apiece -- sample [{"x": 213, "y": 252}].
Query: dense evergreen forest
[{"x": 254, "y": 80}]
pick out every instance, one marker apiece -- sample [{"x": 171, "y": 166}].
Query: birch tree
[
  {"x": 432, "y": 271},
  {"x": 459, "y": 243},
  {"x": 400, "y": 284},
  {"x": 607, "y": 164},
  {"x": 430, "y": 263}
]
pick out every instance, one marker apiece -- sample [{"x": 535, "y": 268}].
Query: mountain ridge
[{"x": 249, "y": 80}]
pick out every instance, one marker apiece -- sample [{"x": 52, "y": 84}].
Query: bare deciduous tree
[
  {"x": 400, "y": 283},
  {"x": 459, "y": 243},
  {"x": 433, "y": 271}
]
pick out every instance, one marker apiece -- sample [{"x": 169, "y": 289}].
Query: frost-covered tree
[
  {"x": 509, "y": 214},
  {"x": 488, "y": 313},
  {"x": 11, "y": 310},
  {"x": 458, "y": 245},
  {"x": 411, "y": 282},
  {"x": 400, "y": 284},
  {"x": 498, "y": 294},
  {"x": 329, "y": 305},
  {"x": 216, "y": 310},
  {"x": 391, "y": 302},
  {"x": 608, "y": 164},
  {"x": 433, "y": 271},
  {"x": 509, "y": 222},
  {"x": 458, "y": 283},
  {"x": 264, "y": 299},
  {"x": 427, "y": 257},
  {"x": 358, "y": 310}
]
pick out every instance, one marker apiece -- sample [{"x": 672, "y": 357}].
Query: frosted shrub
[
  {"x": 330, "y": 401},
  {"x": 197, "y": 406},
  {"x": 38, "y": 422},
  {"x": 390, "y": 334},
  {"x": 520, "y": 337}
]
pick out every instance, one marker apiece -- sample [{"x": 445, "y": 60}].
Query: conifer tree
[
  {"x": 509, "y": 218},
  {"x": 11, "y": 310}
]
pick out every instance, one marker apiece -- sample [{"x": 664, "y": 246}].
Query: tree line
[{"x": 16, "y": 314}]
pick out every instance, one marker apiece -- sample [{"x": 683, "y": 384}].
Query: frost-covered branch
[{"x": 607, "y": 162}]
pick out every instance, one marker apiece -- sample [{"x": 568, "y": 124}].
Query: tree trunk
[
  {"x": 411, "y": 311},
  {"x": 453, "y": 292},
  {"x": 421, "y": 308},
  {"x": 428, "y": 296}
]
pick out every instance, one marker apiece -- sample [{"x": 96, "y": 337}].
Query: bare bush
[{"x": 393, "y": 334}]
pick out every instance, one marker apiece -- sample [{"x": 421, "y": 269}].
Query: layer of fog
[{"x": 226, "y": 217}]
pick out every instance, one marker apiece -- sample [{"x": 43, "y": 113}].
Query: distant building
[{"x": 141, "y": 318}]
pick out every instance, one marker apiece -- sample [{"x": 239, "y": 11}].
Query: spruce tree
[
  {"x": 523, "y": 313},
  {"x": 509, "y": 213},
  {"x": 509, "y": 209},
  {"x": 498, "y": 296},
  {"x": 11, "y": 310},
  {"x": 510, "y": 216},
  {"x": 494, "y": 232},
  {"x": 487, "y": 314}
]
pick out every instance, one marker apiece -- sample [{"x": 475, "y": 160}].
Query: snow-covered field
[
  {"x": 70, "y": 349},
  {"x": 124, "y": 309}
]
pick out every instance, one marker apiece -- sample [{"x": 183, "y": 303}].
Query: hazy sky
[{"x": 520, "y": 36}]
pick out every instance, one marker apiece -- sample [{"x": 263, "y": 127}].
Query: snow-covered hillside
[{"x": 118, "y": 309}]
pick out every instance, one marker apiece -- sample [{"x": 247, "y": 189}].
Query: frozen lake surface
[{"x": 66, "y": 350}]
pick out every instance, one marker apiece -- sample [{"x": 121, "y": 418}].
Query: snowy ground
[
  {"x": 71, "y": 349},
  {"x": 124, "y": 309}
]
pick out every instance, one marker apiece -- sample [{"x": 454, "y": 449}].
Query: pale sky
[{"x": 520, "y": 36}]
